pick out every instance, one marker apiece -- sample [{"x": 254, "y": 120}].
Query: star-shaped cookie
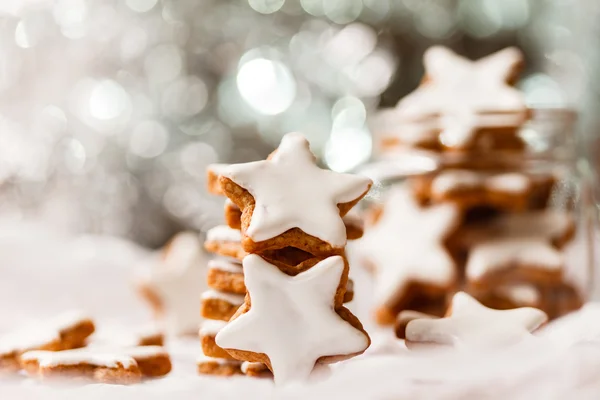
[
  {"x": 466, "y": 95},
  {"x": 292, "y": 320},
  {"x": 288, "y": 193},
  {"x": 518, "y": 247},
  {"x": 175, "y": 284},
  {"x": 406, "y": 248},
  {"x": 472, "y": 325}
]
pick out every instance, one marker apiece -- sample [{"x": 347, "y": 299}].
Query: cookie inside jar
[{"x": 513, "y": 230}]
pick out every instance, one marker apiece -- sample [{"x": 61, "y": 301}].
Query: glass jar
[{"x": 516, "y": 227}]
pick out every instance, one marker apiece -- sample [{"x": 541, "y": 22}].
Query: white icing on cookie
[
  {"x": 178, "y": 282},
  {"x": 405, "y": 245},
  {"x": 91, "y": 356},
  {"x": 235, "y": 299},
  {"x": 225, "y": 265},
  {"x": 521, "y": 293},
  {"x": 37, "y": 334},
  {"x": 223, "y": 233},
  {"x": 452, "y": 180},
  {"x": 289, "y": 190},
  {"x": 474, "y": 325},
  {"x": 292, "y": 319},
  {"x": 466, "y": 94},
  {"x": 211, "y": 327},
  {"x": 489, "y": 256},
  {"x": 217, "y": 169}
]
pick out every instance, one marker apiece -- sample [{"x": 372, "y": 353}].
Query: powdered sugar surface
[{"x": 563, "y": 364}]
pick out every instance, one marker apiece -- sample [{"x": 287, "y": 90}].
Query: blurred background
[{"x": 110, "y": 110}]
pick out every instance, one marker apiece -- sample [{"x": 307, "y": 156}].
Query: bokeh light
[
  {"x": 148, "y": 139},
  {"x": 108, "y": 100},
  {"x": 268, "y": 86},
  {"x": 266, "y": 6},
  {"x": 123, "y": 103}
]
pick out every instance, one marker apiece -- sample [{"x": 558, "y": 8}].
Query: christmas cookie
[
  {"x": 289, "y": 323},
  {"x": 468, "y": 105},
  {"x": 406, "y": 248},
  {"x": 496, "y": 261},
  {"x": 352, "y": 220},
  {"x": 213, "y": 172},
  {"x": 557, "y": 227},
  {"x": 507, "y": 191},
  {"x": 82, "y": 363},
  {"x": 274, "y": 213},
  {"x": 218, "y": 366},
  {"x": 225, "y": 241},
  {"x": 104, "y": 363},
  {"x": 228, "y": 276},
  {"x": 66, "y": 331},
  {"x": 208, "y": 333},
  {"x": 174, "y": 284},
  {"x": 390, "y": 134},
  {"x": 220, "y": 305},
  {"x": 508, "y": 296},
  {"x": 233, "y": 215},
  {"x": 153, "y": 361},
  {"x": 470, "y": 324}
]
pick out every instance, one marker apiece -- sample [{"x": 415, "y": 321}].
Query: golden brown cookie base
[
  {"x": 211, "y": 349},
  {"x": 534, "y": 198},
  {"x": 426, "y": 299},
  {"x": 212, "y": 180},
  {"x": 226, "y": 281},
  {"x": 516, "y": 273},
  {"x": 210, "y": 367},
  {"x": 113, "y": 375},
  {"x": 154, "y": 366},
  {"x": 157, "y": 339},
  {"x": 9, "y": 363},
  {"x": 218, "y": 309},
  {"x": 225, "y": 249},
  {"x": 349, "y": 294},
  {"x": 257, "y": 370}
]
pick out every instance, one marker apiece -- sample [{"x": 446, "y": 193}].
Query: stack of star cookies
[
  {"x": 280, "y": 279},
  {"x": 483, "y": 219}
]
